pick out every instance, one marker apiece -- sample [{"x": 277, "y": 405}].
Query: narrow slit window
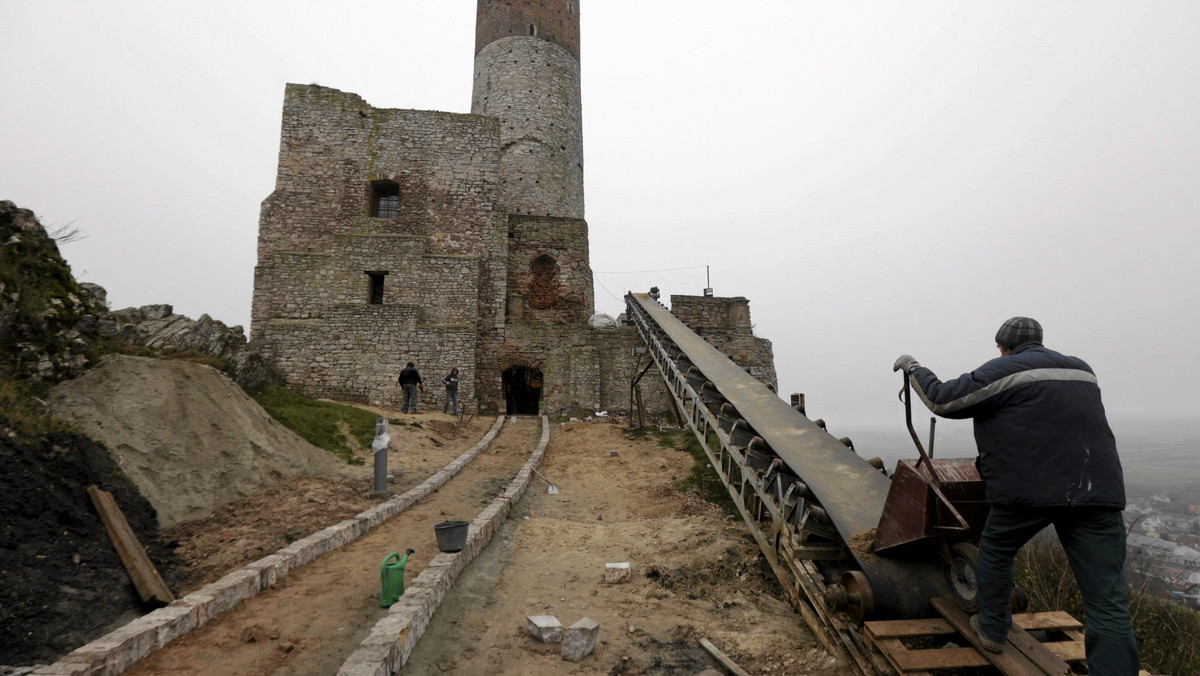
[
  {"x": 533, "y": 30},
  {"x": 385, "y": 199},
  {"x": 375, "y": 287}
]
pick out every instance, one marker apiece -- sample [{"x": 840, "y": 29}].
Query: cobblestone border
[
  {"x": 392, "y": 639},
  {"x": 119, "y": 650}
]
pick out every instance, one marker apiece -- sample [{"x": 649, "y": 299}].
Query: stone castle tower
[
  {"x": 527, "y": 76},
  {"x": 449, "y": 239}
]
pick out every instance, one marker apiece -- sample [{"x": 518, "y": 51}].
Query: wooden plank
[
  {"x": 912, "y": 661},
  {"x": 1051, "y": 620},
  {"x": 1011, "y": 662},
  {"x": 940, "y": 658},
  {"x": 906, "y": 628},
  {"x": 146, "y": 580},
  {"x": 887, "y": 635},
  {"x": 723, "y": 658},
  {"x": 1068, "y": 651}
]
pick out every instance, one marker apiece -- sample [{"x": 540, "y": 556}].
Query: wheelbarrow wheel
[{"x": 962, "y": 575}]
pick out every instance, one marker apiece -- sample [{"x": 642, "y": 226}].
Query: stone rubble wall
[
  {"x": 355, "y": 353},
  {"x": 559, "y": 293},
  {"x": 725, "y": 323},
  {"x": 443, "y": 294},
  {"x": 708, "y": 314},
  {"x": 533, "y": 88},
  {"x": 585, "y": 367}
]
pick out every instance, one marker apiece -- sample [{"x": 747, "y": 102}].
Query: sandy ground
[
  {"x": 696, "y": 574},
  {"x": 237, "y": 486},
  {"x": 187, "y": 436}
]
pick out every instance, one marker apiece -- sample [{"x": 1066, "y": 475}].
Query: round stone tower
[{"x": 527, "y": 75}]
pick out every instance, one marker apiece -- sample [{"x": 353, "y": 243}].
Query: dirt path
[
  {"x": 696, "y": 574},
  {"x": 249, "y": 529},
  {"x": 318, "y": 615}
]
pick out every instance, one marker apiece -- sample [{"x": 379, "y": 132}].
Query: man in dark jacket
[
  {"x": 451, "y": 383},
  {"x": 410, "y": 382},
  {"x": 1046, "y": 456}
]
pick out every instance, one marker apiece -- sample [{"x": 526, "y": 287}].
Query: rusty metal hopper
[{"x": 920, "y": 508}]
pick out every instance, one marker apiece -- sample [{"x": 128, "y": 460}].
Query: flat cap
[{"x": 1018, "y": 330}]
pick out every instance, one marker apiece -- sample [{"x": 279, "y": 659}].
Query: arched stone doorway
[{"x": 522, "y": 390}]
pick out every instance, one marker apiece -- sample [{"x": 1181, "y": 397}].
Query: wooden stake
[{"x": 149, "y": 583}]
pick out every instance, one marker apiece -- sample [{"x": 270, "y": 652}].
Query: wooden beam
[
  {"x": 149, "y": 584},
  {"x": 723, "y": 658}
]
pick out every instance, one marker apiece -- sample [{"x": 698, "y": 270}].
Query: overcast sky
[{"x": 876, "y": 178}]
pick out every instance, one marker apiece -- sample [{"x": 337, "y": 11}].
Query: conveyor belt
[{"x": 849, "y": 490}]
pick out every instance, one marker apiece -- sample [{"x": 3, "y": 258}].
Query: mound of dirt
[
  {"x": 188, "y": 437},
  {"x": 63, "y": 581}
]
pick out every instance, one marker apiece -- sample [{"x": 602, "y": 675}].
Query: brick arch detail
[{"x": 510, "y": 360}]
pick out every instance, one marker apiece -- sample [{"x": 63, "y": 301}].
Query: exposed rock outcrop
[
  {"x": 158, "y": 327},
  {"x": 48, "y": 325}
]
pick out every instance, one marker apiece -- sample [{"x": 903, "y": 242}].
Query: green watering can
[{"x": 392, "y": 574}]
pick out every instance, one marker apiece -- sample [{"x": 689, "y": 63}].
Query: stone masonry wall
[
  {"x": 725, "y": 323},
  {"x": 555, "y": 21},
  {"x": 443, "y": 252},
  {"x": 549, "y": 279},
  {"x": 533, "y": 88},
  {"x": 584, "y": 366},
  {"x": 361, "y": 358}
]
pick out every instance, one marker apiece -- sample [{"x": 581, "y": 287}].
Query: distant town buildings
[{"x": 1164, "y": 547}]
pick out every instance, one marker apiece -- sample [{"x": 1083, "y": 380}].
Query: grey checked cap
[{"x": 1018, "y": 330}]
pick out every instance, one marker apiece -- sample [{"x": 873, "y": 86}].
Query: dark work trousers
[
  {"x": 451, "y": 400},
  {"x": 410, "y": 397},
  {"x": 1094, "y": 540}
]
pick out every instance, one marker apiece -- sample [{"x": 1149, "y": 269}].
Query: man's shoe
[{"x": 987, "y": 643}]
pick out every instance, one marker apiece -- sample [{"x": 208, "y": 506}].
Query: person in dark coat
[
  {"x": 451, "y": 383},
  {"x": 410, "y": 383},
  {"x": 1046, "y": 456}
]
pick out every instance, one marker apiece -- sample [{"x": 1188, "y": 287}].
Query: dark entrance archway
[{"x": 522, "y": 390}]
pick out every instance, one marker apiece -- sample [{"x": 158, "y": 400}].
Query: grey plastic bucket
[{"x": 451, "y": 535}]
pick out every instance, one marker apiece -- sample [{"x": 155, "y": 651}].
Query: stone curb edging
[
  {"x": 119, "y": 650},
  {"x": 392, "y": 639}
]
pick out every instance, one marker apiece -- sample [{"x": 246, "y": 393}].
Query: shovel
[{"x": 550, "y": 487}]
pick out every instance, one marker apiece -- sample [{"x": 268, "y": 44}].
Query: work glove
[{"x": 906, "y": 363}]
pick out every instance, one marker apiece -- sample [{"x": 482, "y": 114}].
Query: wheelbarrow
[{"x": 935, "y": 503}]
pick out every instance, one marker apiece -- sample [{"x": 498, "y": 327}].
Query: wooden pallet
[{"x": 921, "y": 647}]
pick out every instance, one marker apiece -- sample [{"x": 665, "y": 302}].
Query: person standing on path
[
  {"x": 451, "y": 382},
  {"x": 1047, "y": 456},
  {"x": 410, "y": 383}
]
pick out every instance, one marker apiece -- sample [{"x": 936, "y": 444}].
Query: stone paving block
[
  {"x": 128, "y": 644},
  {"x": 62, "y": 668},
  {"x": 368, "y": 653},
  {"x": 270, "y": 569},
  {"x": 230, "y": 590},
  {"x": 350, "y": 668},
  {"x": 545, "y": 628},
  {"x": 76, "y": 663},
  {"x": 172, "y": 622},
  {"x": 418, "y": 594},
  {"x": 579, "y": 639},
  {"x": 353, "y": 530},
  {"x": 617, "y": 573},
  {"x": 200, "y": 604}
]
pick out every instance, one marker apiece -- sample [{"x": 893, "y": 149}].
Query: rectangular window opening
[{"x": 375, "y": 292}]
